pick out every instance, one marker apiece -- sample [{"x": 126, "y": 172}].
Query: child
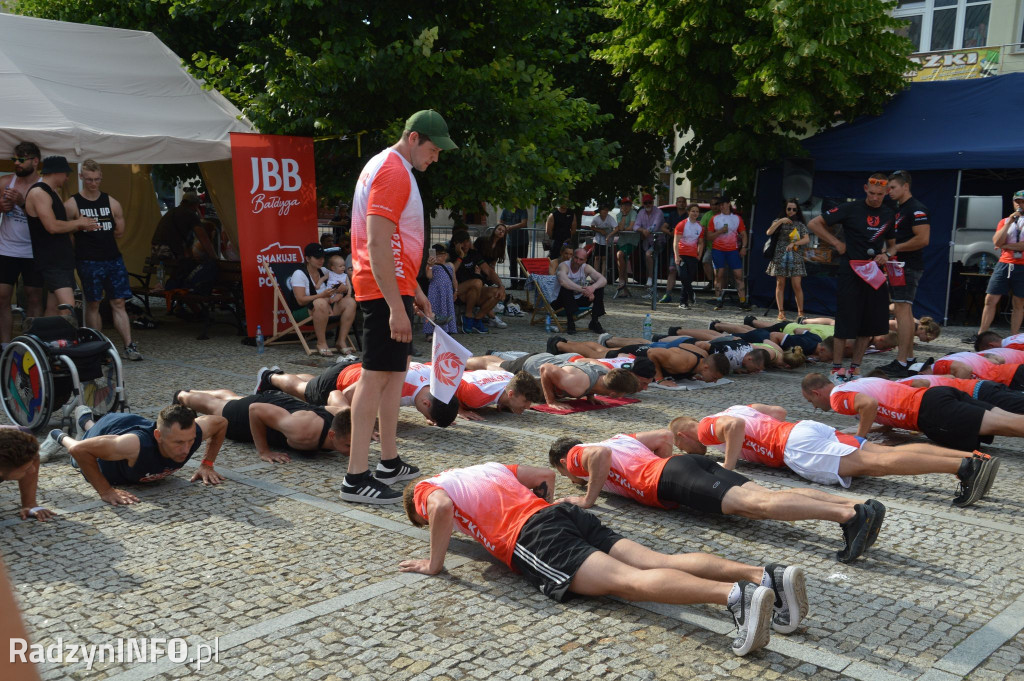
[
  {"x": 441, "y": 291},
  {"x": 337, "y": 279}
]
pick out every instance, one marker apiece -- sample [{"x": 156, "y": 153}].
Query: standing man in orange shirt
[{"x": 387, "y": 246}]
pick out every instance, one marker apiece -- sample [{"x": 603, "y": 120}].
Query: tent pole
[
  {"x": 750, "y": 237},
  {"x": 952, "y": 244}
]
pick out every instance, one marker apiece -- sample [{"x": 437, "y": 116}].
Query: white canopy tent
[{"x": 121, "y": 98}]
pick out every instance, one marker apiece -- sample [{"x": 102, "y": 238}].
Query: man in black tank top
[
  {"x": 50, "y": 230},
  {"x": 272, "y": 421},
  {"x": 100, "y": 265}
]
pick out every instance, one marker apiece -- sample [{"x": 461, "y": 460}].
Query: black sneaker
[
  {"x": 992, "y": 476},
  {"x": 745, "y": 305},
  {"x": 596, "y": 327},
  {"x": 752, "y": 614},
  {"x": 896, "y": 370},
  {"x": 749, "y": 320},
  {"x": 970, "y": 340},
  {"x": 790, "y": 589},
  {"x": 879, "y": 519},
  {"x": 855, "y": 532},
  {"x": 263, "y": 379},
  {"x": 553, "y": 342},
  {"x": 366, "y": 489},
  {"x": 719, "y": 303},
  {"x": 401, "y": 472},
  {"x": 674, "y": 330},
  {"x": 711, "y": 324},
  {"x": 974, "y": 474}
]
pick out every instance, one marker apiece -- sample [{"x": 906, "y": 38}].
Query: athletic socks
[
  {"x": 735, "y": 595},
  {"x": 391, "y": 464},
  {"x": 356, "y": 478}
]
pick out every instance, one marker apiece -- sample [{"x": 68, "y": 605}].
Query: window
[{"x": 934, "y": 25}]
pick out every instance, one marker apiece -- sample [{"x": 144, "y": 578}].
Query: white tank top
[
  {"x": 15, "y": 241},
  {"x": 579, "y": 278}
]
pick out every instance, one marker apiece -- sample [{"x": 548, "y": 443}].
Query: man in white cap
[{"x": 387, "y": 246}]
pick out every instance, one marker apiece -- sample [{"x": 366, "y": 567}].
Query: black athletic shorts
[
  {"x": 380, "y": 351},
  {"x": 755, "y": 335},
  {"x": 514, "y": 366},
  {"x": 323, "y": 385},
  {"x": 635, "y": 350},
  {"x": 11, "y": 268},
  {"x": 860, "y": 309},
  {"x": 553, "y": 544},
  {"x": 1018, "y": 378},
  {"x": 952, "y": 418},
  {"x": 55, "y": 278},
  {"x": 999, "y": 395},
  {"x": 697, "y": 481}
]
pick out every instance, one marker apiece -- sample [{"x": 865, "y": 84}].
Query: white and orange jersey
[
  {"x": 1016, "y": 342},
  {"x": 964, "y": 385},
  {"x": 620, "y": 362},
  {"x": 1010, "y": 355},
  {"x": 634, "y": 473},
  {"x": 416, "y": 378},
  {"x": 690, "y": 233},
  {"x": 979, "y": 366},
  {"x": 482, "y": 388},
  {"x": 730, "y": 241},
  {"x": 764, "y": 437},
  {"x": 386, "y": 187},
  {"x": 898, "y": 404},
  {"x": 491, "y": 505}
]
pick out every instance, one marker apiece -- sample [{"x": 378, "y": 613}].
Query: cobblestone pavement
[{"x": 292, "y": 583}]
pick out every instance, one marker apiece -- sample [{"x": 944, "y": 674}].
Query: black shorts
[
  {"x": 635, "y": 350},
  {"x": 999, "y": 395},
  {"x": 907, "y": 292},
  {"x": 860, "y": 309},
  {"x": 807, "y": 341},
  {"x": 318, "y": 389},
  {"x": 1018, "y": 379},
  {"x": 553, "y": 544},
  {"x": 514, "y": 366},
  {"x": 697, "y": 481},
  {"x": 55, "y": 278},
  {"x": 380, "y": 351},
  {"x": 11, "y": 268},
  {"x": 951, "y": 418},
  {"x": 755, "y": 335}
]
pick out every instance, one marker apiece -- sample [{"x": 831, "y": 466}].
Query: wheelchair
[{"x": 57, "y": 365}]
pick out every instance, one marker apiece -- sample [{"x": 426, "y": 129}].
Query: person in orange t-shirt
[
  {"x": 944, "y": 414},
  {"x": 387, "y": 246},
  {"x": 1008, "y": 274},
  {"x": 562, "y": 549}
]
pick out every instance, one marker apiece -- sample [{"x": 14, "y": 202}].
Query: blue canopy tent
[{"x": 934, "y": 130}]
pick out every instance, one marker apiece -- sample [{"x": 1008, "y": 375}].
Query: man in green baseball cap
[
  {"x": 1019, "y": 196},
  {"x": 431, "y": 127}
]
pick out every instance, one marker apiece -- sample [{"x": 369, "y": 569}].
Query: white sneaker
[
  {"x": 497, "y": 323},
  {"x": 78, "y": 415},
  {"x": 49, "y": 448},
  {"x": 650, "y": 282}
]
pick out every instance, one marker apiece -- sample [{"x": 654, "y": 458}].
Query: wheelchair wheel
[
  {"x": 100, "y": 394},
  {"x": 26, "y": 383}
]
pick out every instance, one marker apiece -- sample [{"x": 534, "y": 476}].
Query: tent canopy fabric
[
  {"x": 114, "y": 95},
  {"x": 948, "y": 125}
]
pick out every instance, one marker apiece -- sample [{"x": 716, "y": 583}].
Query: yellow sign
[{"x": 954, "y": 65}]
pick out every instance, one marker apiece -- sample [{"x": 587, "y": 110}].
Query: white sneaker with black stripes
[
  {"x": 369, "y": 490},
  {"x": 401, "y": 473}
]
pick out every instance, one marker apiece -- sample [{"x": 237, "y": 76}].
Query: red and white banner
[
  {"x": 275, "y": 201},
  {"x": 448, "y": 358}
]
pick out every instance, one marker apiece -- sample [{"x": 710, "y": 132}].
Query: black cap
[
  {"x": 442, "y": 414},
  {"x": 314, "y": 250},
  {"x": 54, "y": 164},
  {"x": 716, "y": 199},
  {"x": 643, "y": 367}
]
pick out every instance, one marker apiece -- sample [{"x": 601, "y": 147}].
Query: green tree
[
  {"x": 350, "y": 73},
  {"x": 749, "y": 77}
]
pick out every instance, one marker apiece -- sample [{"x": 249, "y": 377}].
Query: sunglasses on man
[
  {"x": 22, "y": 159},
  {"x": 875, "y": 180}
]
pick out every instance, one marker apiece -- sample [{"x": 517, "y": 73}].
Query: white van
[{"x": 976, "y": 220}]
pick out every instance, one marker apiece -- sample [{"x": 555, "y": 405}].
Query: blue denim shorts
[
  {"x": 98, "y": 276},
  {"x": 1004, "y": 280}
]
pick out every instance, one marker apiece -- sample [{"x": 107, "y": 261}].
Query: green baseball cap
[
  {"x": 428, "y": 122},
  {"x": 1019, "y": 195}
]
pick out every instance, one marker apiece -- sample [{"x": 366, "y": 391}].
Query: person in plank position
[
  {"x": 501, "y": 389},
  {"x": 562, "y": 549},
  {"x": 640, "y": 466},
  {"x": 273, "y": 421}
]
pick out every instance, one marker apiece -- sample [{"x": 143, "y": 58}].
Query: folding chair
[
  {"x": 286, "y": 307},
  {"x": 546, "y": 287}
]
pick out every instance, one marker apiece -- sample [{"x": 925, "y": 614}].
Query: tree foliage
[
  {"x": 350, "y": 73},
  {"x": 749, "y": 77}
]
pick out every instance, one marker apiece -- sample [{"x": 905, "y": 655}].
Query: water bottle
[
  {"x": 548, "y": 326},
  {"x": 58, "y": 344},
  {"x": 160, "y": 273},
  {"x": 259, "y": 339},
  {"x": 983, "y": 268},
  {"x": 648, "y": 328}
]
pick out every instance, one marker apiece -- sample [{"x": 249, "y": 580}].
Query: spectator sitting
[
  {"x": 470, "y": 269},
  {"x": 327, "y": 240},
  {"x": 441, "y": 291},
  {"x": 574, "y": 291},
  {"x": 309, "y": 285},
  {"x": 491, "y": 247},
  {"x": 565, "y": 255},
  {"x": 176, "y": 229}
]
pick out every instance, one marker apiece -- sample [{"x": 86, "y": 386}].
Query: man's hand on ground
[
  {"x": 421, "y": 565},
  {"x": 207, "y": 475},
  {"x": 470, "y": 415},
  {"x": 40, "y": 514},
  {"x": 116, "y": 497},
  {"x": 579, "y": 501},
  {"x": 275, "y": 457}
]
